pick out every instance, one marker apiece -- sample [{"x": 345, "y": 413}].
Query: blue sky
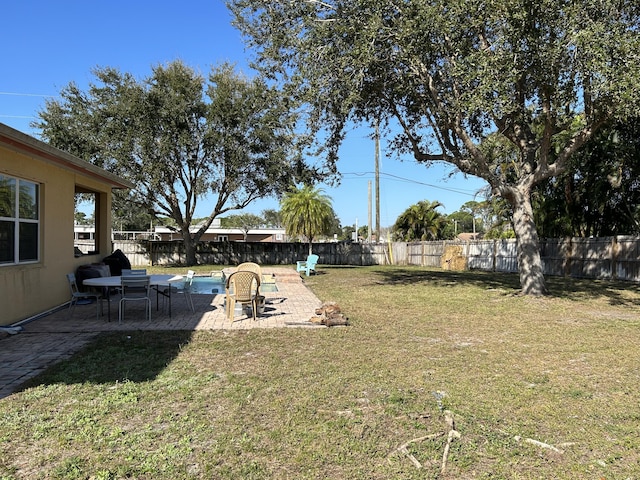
[{"x": 49, "y": 44}]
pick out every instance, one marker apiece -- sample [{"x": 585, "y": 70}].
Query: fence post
[
  {"x": 614, "y": 257},
  {"x": 468, "y": 252},
  {"x": 494, "y": 260},
  {"x": 567, "y": 252}
]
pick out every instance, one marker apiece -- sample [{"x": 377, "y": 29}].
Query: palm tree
[
  {"x": 419, "y": 222},
  {"x": 306, "y": 212}
]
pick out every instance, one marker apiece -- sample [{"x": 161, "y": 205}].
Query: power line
[
  {"x": 17, "y": 116},
  {"x": 20, "y": 94},
  {"x": 16, "y": 94},
  {"x": 409, "y": 180}
]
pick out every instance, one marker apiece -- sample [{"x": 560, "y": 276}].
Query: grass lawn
[{"x": 537, "y": 387}]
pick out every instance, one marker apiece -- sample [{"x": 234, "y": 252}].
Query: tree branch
[{"x": 578, "y": 140}]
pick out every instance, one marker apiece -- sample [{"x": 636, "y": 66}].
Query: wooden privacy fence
[
  {"x": 145, "y": 252},
  {"x": 605, "y": 258}
]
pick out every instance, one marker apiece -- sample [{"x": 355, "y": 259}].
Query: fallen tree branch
[
  {"x": 347, "y": 412},
  {"x": 537, "y": 443},
  {"x": 413, "y": 459},
  {"x": 453, "y": 434},
  {"x": 403, "y": 448},
  {"x": 420, "y": 439}
]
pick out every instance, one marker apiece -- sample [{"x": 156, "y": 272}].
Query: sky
[{"x": 50, "y": 44}]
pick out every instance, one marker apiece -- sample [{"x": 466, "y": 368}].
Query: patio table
[{"x": 156, "y": 280}]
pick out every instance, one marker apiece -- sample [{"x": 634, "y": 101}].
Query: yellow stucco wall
[{"x": 30, "y": 289}]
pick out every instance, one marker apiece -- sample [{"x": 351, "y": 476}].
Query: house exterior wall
[{"x": 27, "y": 289}]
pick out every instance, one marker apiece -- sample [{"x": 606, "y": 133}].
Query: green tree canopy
[
  {"x": 181, "y": 139},
  {"x": 308, "y": 213},
  {"x": 419, "y": 222},
  {"x": 346, "y": 233},
  {"x": 506, "y": 90},
  {"x": 458, "y": 222},
  {"x": 82, "y": 219},
  {"x": 497, "y": 219},
  {"x": 272, "y": 218},
  {"x": 599, "y": 195},
  {"x": 244, "y": 221}
]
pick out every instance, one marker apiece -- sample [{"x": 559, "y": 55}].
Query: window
[
  {"x": 19, "y": 221},
  {"x": 85, "y": 227}
]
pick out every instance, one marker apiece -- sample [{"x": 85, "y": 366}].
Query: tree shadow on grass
[
  {"x": 614, "y": 292},
  {"x": 113, "y": 357},
  {"x": 448, "y": 278}
]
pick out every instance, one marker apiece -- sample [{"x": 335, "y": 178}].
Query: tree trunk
[
  {"x": 189, "y": 249},
  {"x": 528, "y": 246}
]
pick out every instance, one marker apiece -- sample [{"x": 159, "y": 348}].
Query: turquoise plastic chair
[{"x": 308, "y": 265}]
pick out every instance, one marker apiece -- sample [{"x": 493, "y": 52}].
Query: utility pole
[
  {"x": 377, "y": 157},
  {"x": 369, "y": 224}
]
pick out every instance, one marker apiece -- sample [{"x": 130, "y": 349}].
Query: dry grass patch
[{"x": 538, "y": 388}]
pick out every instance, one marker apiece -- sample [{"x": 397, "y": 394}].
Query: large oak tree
[
  {"x": 506, "y": 90},
  {"x": 181, "y": 139}
]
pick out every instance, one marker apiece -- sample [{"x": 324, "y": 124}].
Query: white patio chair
[
  {"x": 186, "y": 289},
  {"x": 76, "y": 295},
  {"x": 167, "y": 291},
  {"x": 135, "y": 288}
]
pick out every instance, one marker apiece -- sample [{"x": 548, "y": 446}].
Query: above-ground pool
[{"x": 209, "y": 285}]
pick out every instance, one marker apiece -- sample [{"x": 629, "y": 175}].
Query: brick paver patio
[{"x": 57, "y": 336}]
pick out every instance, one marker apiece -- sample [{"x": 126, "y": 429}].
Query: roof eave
[{"x": 31, "y": 146}]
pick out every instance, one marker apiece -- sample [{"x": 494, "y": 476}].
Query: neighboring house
[
  {"x": 215, "y": 233},
  {"x": 467, "y": 237},
  {"x": 38, "y": 184},
  {"x": 84, "y": 235}
]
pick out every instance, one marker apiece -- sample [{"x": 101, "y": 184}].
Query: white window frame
[{"x": 17, "y": 221}]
